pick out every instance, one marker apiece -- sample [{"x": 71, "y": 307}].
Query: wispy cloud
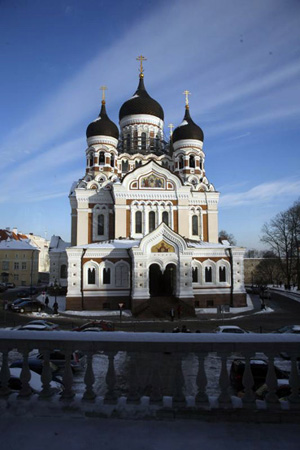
[{"x": 262, "y": 194}]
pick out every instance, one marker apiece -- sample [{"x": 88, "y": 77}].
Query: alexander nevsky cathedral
[{"x": 145, "y": 217}]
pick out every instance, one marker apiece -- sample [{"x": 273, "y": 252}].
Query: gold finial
[
  {"x": 171, "y": 126},
  {"x": 103, "y": 89},
  {"x": 141, "y": 58},
  {"x": 186, "y": 93}
]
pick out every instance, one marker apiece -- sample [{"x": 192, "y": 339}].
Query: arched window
[
  {"x": 195, "y": 274},
  {"x": 157, "y": 142},
  {"x": 101, "y": 158},
  {"x": 91, "y": 160},
  {"x": 128, "y": 142},
  {"x": 143, "y": 140},
  {"x": 101, "y": 225},
  {"x": 106, "y": 276},
  {"x": 91, "y": 276},
  {"x": 195, "y": 225},
  {"x": 124, "y": 166},
  {"x": 112, "y": 161},
  {"x": 180, "y": 162},
  {"x": 121, "y": 275},
  {"x": 192, "y": 161},
  {"x": 151, "y": 221},
  {"x": 201, "y": 164},
  {"x": 208, "y": 275},
  {"x": 222, "y": 274},
  {"x": 165, "y": 217},
  {"x": 138, "y": 222},
  {"x": 63, "y": 271}
]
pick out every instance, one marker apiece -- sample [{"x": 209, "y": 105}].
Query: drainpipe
[
  {"x": 130, "y": 281},
  {"x": 81, "y": 281}
]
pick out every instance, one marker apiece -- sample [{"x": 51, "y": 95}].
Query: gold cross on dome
[
  {"x": 103, "y": 89},
  {"x": 141, "y": 58},
  {"x": 186, "y": 93},
  {"x": 171, "y": 126}
]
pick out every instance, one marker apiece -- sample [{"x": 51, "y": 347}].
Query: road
[{"x": 285, "y": 312}]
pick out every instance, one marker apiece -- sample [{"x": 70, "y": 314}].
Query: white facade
[{"x": 145, "y": 213}]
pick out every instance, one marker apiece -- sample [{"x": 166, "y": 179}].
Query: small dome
[
  {"x": 141, "y": 103},
  {"x": 102, "y": 126},
  {"x": 187, "y": 129}
]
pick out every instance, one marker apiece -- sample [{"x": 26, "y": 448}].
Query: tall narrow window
[
  {"x": 151, "y": 221},
  {"x": 157, "y": 142},
  {"x": 138, "y": 222},
  {"x": 180, "y": 162},
  {"x": 91, "y": 160},
  {"x": 63, "y": 271},
  {"x": 201, "y": 164},
  {"x": 143, "y": 139},
  {"x": 195, "y": 274},
  {"x": 100, "y": 225},
  {"x": 195, "y": 225},
  {"x": 165, "y": 217},
  {"x": 91, "y": 276},
  {"x": 128, "y": 142},
  {"x": 192, "y": 161},
  {"x": 208, "y": 275},
  {"x": 124, "y": 166},
  {"x": 101, "y": 158},
  {"x": 112, "y": 161},
  {"x": 106, "y": 276},
  {"x": 222, "y": 274}
]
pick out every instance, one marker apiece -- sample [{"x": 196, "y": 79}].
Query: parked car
[
  {"x": 295, "y": 329},
  {"x": 2, "y": 287},
  {"x": 38, "y": 325},
  {"x": 28, "y": 306},
  {"x": 36, "y": 365},
  {"x": 18, "y": 301},
  {"x": 9, "y": 285},
  {"x": 259, "y": 369},
  {"x": 230, "y": 329},
  {"x": 35, "y": 381},
  {"x": 58, "y": 358},
  {"x": 102, "y": 324}
]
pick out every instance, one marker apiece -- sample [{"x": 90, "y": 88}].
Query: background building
[
  {"x": 19, "y": 260},
  {"x": 58, "y": 261},
  {"x": 145, "y": 217}
]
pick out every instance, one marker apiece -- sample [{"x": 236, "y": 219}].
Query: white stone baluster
[
  {"x": 110, "y": 396},
  {"x": 46, "y": 376},
  {"x": 134, "y": 386},
  {"x": 89, "y": 379},
  {"x": 294, "y": 380},
  {"x": 68, "y": 392},
  {"x": 156, "y": 378},
  {"x": 271, "y": 382},
  {"x": 224, "y": 397},
  {"x": 201, "y": 380},
  {"x": 248, "y": 382},
  {"x": 178, "y": 396},
  {"x": 4, "y": 375},
  {"x": 25, "y": 377}
]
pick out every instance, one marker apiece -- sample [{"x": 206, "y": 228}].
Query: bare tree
[
  {"x": 279, "y": 236},
  {"x": 224, "y": 236},
  {"x": 294, "y": 217}
]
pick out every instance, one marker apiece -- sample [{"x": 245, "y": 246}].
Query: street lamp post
[{"x": 121, "y": 309}]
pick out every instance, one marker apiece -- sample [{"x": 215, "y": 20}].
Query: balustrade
[{"x": 156, "y": 366}]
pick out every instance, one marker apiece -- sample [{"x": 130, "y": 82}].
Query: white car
[{"x": 230, "y": 329}]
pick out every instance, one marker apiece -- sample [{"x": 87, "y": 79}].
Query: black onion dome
[
  {"x": 102, "y": 126},
  {"x": 141, "y": 103},
  {"x": 187, "y": 129}
]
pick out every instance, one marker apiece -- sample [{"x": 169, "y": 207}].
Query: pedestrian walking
[
  {"x": 55, "y": 307},
  {"x": 172, "y": 314},
  {"x": 47, "y": 301}
]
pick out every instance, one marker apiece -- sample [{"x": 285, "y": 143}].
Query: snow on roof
[
  {"x": 184, "y": 122},
  {"x": 57, "y": 244},
  {"x": 12, "y": 244},
  {"x": 202, "y": 244},
  {"x": 116, "y": 243}
]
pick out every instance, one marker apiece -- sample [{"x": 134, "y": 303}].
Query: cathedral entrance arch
[{"x": 162, "y": 284}]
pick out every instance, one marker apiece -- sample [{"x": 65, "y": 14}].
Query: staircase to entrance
[{"x": 160, "y": 307}]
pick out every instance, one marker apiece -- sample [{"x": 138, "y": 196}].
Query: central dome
[{"x": 141, "y": 103}]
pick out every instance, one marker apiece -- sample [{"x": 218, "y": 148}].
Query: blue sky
[{"x": 240, "y": 60}]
